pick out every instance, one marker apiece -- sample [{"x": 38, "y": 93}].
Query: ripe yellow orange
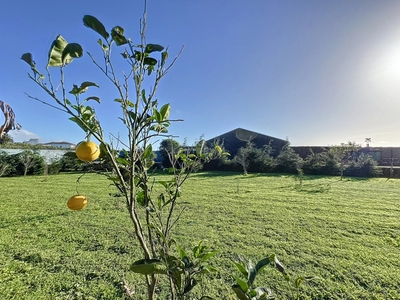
[
  {"x": 77, "y": 202},
  {"x": 87, "y": 151}
]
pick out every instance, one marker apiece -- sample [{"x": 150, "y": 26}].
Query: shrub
[
  {"x": 363, "y": 166},
  {"x": 27, "y": 162},
  {"x": 323, "y": 163},
  {"x": 288, "y": 161},
  {"x": 55, "y": 167}
]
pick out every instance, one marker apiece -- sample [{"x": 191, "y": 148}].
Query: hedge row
[{"x": 324, "y": 163}]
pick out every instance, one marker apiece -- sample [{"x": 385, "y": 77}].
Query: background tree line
[{"x": 342, "y": 160}]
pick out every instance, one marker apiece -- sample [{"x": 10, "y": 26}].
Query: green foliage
[
  {"x": 6, "y": 139},
  {"x": 27, "y": 162},
  {"x": 61, "y": 53},
  {"x": 288, "y": 161},
  {"x": 253, "y": 159},
  {"x": 363, "y": 165},
  {"x": 55, "y": 167},
  {"x": 344, "y": 155},
  {"x": 168, "y": 148},
  {"x": 244, "y": 287},
  {"x": 322, "y": 163}
]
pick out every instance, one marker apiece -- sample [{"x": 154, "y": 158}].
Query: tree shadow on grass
[
  {"x": 355, "y": 179},
  {"x": 31, "y": 219},
  {"x": 313, "y": 189}
]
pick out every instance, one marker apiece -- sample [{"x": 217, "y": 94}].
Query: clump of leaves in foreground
[
  {"x": 153, "y": 214},
  {"x": 245, "y": 288}
]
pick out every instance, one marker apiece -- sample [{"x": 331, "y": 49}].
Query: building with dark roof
[{"x": 235, "y": 139}]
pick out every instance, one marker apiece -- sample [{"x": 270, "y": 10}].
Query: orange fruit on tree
[
  {"x": 87, "y": 151},
  {"x": 77, "y": 202}
]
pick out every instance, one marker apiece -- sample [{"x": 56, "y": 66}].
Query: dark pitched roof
[{"x": 237, "y": 138}]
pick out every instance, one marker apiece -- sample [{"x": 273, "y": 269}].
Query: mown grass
[{"x": 346, "y": 233}]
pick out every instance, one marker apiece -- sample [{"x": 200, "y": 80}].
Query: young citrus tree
[
  {"x": 153, "y": 214},
  {"x": 344, "y": 155}
]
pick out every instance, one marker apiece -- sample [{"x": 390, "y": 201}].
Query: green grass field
[{"x": 347, "y": 233}]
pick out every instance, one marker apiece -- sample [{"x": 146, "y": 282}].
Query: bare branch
[
  {"x": 173, "y": 61},
  {"x": 44, "y": 102}
]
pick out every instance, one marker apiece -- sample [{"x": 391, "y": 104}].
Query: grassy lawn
[{"x": 347, "y": 233}]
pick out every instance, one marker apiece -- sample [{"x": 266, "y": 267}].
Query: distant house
[
  {"x": 63, "y": 145},
  {"x": 32, "y": 142},
  {"x": 237, "y": 138}
]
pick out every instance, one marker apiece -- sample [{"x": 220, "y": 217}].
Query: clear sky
[{"x": 315, "y": 72}]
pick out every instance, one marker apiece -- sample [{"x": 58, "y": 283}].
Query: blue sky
[{"x": 315, "y": 72}]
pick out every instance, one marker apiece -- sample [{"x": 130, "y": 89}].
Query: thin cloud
[{"x": 22, "y": 135}]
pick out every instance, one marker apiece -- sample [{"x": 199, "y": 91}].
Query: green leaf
[
  {"x": 159, "y": 231},
  {"x": 79, "y": 122},
  {"x": 83, "y": 88},
  {"x": 150, "y": 61},
  {"x": 198, "y": 249},
  {"x": 190, "y": 285},
  {"x": 122, "y": 161},
  {"x": 117, "y": 34},
  {"x": 96, "y": 25},
  {"x": 177, "y": 275},
  {"x": 157, "y": 115},
  {"x": 144, "y": 96},
  {"x": 97, "y": 99},
  {"x": 199, "y": 148},
  {"x": 262, "y": 263},
  {"x": 161, "y": 201},
  {"x": 243, "y": 284},
  {"x": 208, "y": 255},
  {"x": 71, "y": 51},
  {"x": 56, "y": 51},
  {"x": 218, "y": 149},
  {"x": 148, "y": 267},
  {"x": 148, "y": 152},
  {"x": 210, "y": 269},
  {"x": 150, "y": 69},
  {"x": 165, "y": 111},
  {"x": 181, "y": 252},
  {"x": 159, "y": 128},
  {"x": 140, "y": 198},
  {"x": 86, "y": 84},
  {"x": 278, "y": 265},
  {"x": 103, "y": 150},
  {"x": 137, "y": 55},
  {"x": 28, "y": 58},
  {"x": 252, "y": 273},
  {"x": 164, "y": 57},
  {"x": 253, "y": 293},
  {"x": 239, "y": 292},
  {"x": 153, "y": 48}
]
